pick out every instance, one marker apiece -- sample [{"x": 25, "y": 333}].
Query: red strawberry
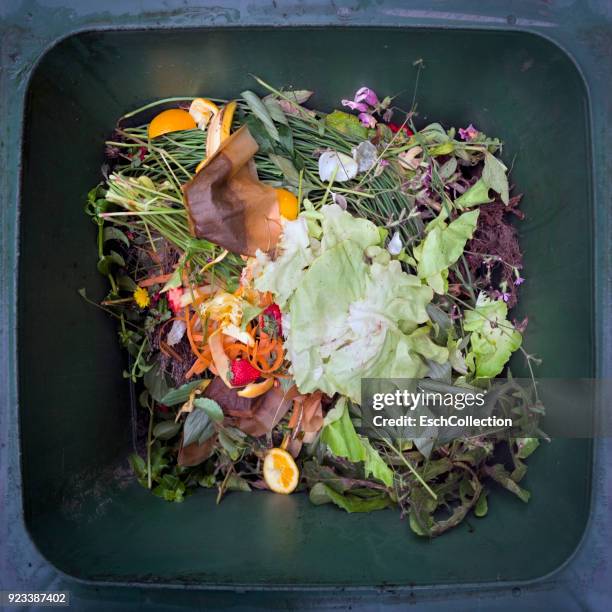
[
  {"x": 242, "y": 373},
  {"x": 272, "y": 320}
]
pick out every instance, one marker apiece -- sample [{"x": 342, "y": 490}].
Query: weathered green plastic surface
[{"x": 78, "y": 522}]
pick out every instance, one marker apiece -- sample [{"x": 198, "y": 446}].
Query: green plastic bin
[{"x": 73, "y": 508}]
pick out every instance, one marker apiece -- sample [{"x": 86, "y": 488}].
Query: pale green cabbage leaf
[
  {"x": 442, "y": 247},
  {"x": 493, "y": 337}
]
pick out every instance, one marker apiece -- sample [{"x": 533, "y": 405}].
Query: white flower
[{"x": 337, "y": 165}]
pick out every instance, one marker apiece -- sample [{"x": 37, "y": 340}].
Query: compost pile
[{"x": 264, "y": 257}]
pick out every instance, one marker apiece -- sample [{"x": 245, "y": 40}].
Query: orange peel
[
  {"x": 288, "y": 206},
  {"x": 256, "y": 389},
  {"x": 171, "y": 120}
]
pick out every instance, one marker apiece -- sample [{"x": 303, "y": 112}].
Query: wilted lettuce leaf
[
  {"x": 494, "y": 175},
  {"x": 343, "y": 441},
  {"x": 284, "y": 274},
  {"x": 442, "y": 247},
  {"x": 341, "y": 437},
  {"x": 346, "y": 318},
  {"x": 477, "y": 194},
  {"x": 375, "y": 465},
  {"x": 493, "y": 337}
]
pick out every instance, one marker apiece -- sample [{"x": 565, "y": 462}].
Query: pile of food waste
[{"x": 264, "y": 257}]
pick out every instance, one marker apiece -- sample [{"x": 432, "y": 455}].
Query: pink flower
[
  {"x": 367, "y": 120},
  {"x": 367, "y": 94},
  {"x": 469, "y": 133},
  {"x": 519, "y": 281},
  {"x": 360, "y": 106}
]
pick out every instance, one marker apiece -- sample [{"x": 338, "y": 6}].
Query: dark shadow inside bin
[{"x": 83, "y": 510}]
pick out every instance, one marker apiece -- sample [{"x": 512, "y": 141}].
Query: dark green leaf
[
  {"x": 237, "y": 483},
  {"x": 126, "y": 283},
  {"x": 210, "y": 407},
  {"x": 180, "y": 395},
  {"x": 260, "y": 134},
  {"x": 114, "y": 233},
  {"x": 166, "y": 430},
  {"x": 501, "y": 476},
  {"x": 138, "y": 465},
  {"x": 286, "y": 138},
  {"x": 156, "y": 382},
  {"x": 322, "y": 494},
  {"x": 292, "y": 176},
  {"x": 259, "y": 109},
  {"x": 275, "y": 110},
  {"x": 198, "y": 427},
  {"x": 106, "y": 262}
]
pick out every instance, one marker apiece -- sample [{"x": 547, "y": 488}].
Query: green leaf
[
  {"x": 156, "y": 382},
  {"x": 106, "y": 262},
  {"x": 232, "y": 441},
  {"x": 176, "y": 280},
  {"x": 275, "y": 111},
  {"x": 442, "y": 247},
  {"x": 113, "y": 233},
  {"x": 259, "y": 132},
  {"x": 341, "y": 437},
  {"x": 477, "y": 194},
  {"x": 198, "y": 427},
  {"x": 323, "y": 494},
  {"x": 375, "y": 465},
  {"x": 286, "y": 138},
  {"x": 249, "y": 312},
  {"x": 501, "y": 476},
  {"x": 258, "y": 108},
  {"x": 166, "y": 430},
  {"x": 207, "y": 481},
  {"x": 526, "y": 446},
  {"x": 494, "y": 175},
  {"x": 138, "y": 465},
  {"x": 318, "y": 495},
  {"x": 493, "y": 337},
  {"x": 346, "y": 124},
  {"x": 237, "y": 483},
  {"x": 292, "y": 176},
  {"x": 442, "y": 149},
  {"x": 180, "y": 395},
  {"x": 126, "y": 283},
  {"x": 482, "y": 507},
  {"x": 210, "y": 407}
]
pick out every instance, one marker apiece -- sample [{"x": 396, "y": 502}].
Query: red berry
[{"x": 242, "y": 373}]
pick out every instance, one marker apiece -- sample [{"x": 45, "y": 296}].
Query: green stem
[{"x": 412, "y": 469}]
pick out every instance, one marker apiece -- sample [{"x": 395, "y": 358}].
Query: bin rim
[{"x": 16, "y": 79}]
